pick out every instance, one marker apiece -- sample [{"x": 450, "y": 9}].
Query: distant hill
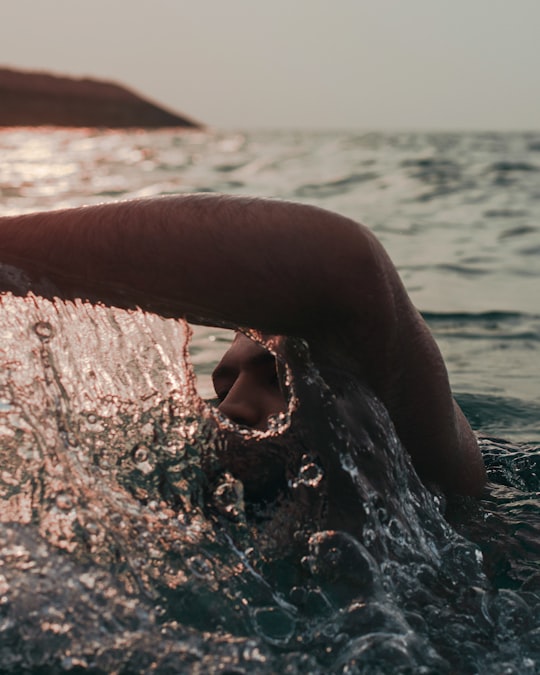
[{"x": 38, "y": 99}]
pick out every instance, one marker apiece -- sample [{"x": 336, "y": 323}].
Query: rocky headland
[{"x": 43, "y": 99}]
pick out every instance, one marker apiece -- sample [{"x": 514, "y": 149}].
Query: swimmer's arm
[
  {"x": 276, "y": 266},
  {"x": 282, "y": 268},
  {"x": 429, "y": 422}
]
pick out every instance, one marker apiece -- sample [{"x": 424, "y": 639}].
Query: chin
[{"x": 264, "y": 466}]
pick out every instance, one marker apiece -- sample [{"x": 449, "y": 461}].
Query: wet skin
[
  {"x": 247, "y": 384},
  {"x": 249, "y": 392},
  {"x": 248, "y": 388}
]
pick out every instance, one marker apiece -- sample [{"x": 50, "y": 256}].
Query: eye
[{"x": 272, "y": 377}]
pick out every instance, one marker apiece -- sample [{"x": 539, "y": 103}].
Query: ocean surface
[{"x": 124, "y": 549}]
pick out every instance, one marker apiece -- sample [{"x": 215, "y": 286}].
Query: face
[{"x": 247, "y": 384}]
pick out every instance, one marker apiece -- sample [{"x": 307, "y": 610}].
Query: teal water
[{"x": 124, "y": 551}]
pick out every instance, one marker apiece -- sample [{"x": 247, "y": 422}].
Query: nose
[{"x": 243, "y": 406}]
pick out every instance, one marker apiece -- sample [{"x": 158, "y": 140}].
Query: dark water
[{"x": 125, "y": 548}]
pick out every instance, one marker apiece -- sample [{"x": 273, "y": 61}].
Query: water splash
[
  {"x": 127, "y": 544},
  {"x": 104, "y": 446}
]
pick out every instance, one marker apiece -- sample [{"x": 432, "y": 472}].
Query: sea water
[{"x": 124, "y": 546}]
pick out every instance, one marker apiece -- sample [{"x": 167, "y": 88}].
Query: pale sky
[{"x": 301, "y": 64}]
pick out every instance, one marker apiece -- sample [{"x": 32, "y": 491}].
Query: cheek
[{"x": 275, "y": 402}]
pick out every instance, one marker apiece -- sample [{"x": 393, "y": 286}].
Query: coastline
[{"x": 31, "y": 99}]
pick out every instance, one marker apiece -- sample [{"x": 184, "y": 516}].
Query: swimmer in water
[{"x": 281, "y": 268}]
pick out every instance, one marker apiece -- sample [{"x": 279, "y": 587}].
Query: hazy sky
[{"x": 330, "y": 64}]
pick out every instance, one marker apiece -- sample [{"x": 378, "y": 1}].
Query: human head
[{"x": 247, "y": 384}]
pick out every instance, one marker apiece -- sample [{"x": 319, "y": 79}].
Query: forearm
[
  {"x": 143, "y": 246},
  {"x": 266, "y": 264}
]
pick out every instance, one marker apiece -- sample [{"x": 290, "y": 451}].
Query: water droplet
[
  {"x": 200, "y": 567},
  {"x": 92, "y": 419},
  {"x": 88, "y": 580},
  {"x": 43, "y": 330},
  {"x": 175, "y": 448},
  {"x": 92, "y": 528},
  {"x": 382, "y": 514},
  {"x": 298, "y": 595},
  {"x": 140, "y": 454},
  {"x": 74, "y": 663},
  {"x": 277, "y": 421},
  {"x": 274, "y": 625},
  {"x": 369, "y": 536},
  {"x": 309, "y": 476},
  {"x": 251, "y": 653},
  {"x": 228, "y": 498},
  {"x": 64, "y": 501},
  {"x": 142, "y": 457}
]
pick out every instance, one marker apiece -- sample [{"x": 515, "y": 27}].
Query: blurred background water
[{"x": 459, "y": 214}]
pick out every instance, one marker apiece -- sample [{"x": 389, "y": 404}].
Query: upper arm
[
  {"x": 378, "y": 334},
  {"x": 417, "y": 394}
]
